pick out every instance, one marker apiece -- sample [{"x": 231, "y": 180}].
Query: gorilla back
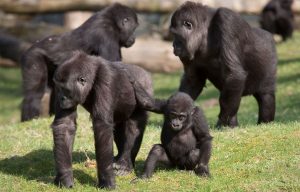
[{"x": 102, "y": 34}]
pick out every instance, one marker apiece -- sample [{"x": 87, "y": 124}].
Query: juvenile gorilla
[
  {"x": 102, "y": 34},
  {"x": 185, "y": 138},
  {"x": 102, "y": 88},
  {"x": 277, "y": 17},
  {"x": 238, "y": 60}
]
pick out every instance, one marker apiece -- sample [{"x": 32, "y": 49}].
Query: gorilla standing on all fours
[
  {"x": 218, "y": 45},
  {"x": 277, "y": 17},
  {"x": 105, "y": 91},
  {"x": 102, "y": 34}
]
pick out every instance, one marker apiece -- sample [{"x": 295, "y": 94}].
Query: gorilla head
[
  {"x": 178, "y": 111},
  {"x": 189, "y": 26},
  {"x": 74, "y": 80},
  {"x": 126, "y": 22}
]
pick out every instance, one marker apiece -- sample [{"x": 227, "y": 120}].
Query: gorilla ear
[
  {"x": 82, "y": 80},
  {"x": 187, "y": 25},
  {"x": 193, "y": 110},
  {"x": 124, "y": 21}
]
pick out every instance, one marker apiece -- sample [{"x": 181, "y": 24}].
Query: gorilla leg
[
  {"x": 132, "y": 137},
  {"x": 119, "y": 132},
  {"x": 103, "y": 134},
  {"x": 266, "y": 105},
  {"x": 141, "y": 118},
  {"x": 34, "y": 72},
  {"x": 192, "y": 158},
  {"x": 51, "y": 87},
  {"x": 202, "y": 168},
  {"x": 232, "y": 122},
  {"x": 52, "y": 101},
  {"x": 64, "y": 129},
  {"x": 157, "y": 154},
  {"x": 230, "y": 99}
]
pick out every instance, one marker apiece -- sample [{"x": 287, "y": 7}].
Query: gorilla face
[
  {"x": 181, "y": 32},
  {"x": 180, "y": 108},
  {"x": 71, "y": 90},
  {"x": 127, "y": 22},
  {"x": 73, "y": 80},
  {"x": 128, "y": 27},
  {"x": 177, "y": 120}
]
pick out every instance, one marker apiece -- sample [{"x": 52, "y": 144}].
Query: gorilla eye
[
  {"x": 188, "y": 25},
  {"x": 181, "y": 117},
  {"x": 172, "y": 116},
  {"x": 125, "y": 20},
  {"x": 81, "y": 80}
]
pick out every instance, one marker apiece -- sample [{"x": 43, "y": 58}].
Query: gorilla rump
[
  {"x": 104, "y": 90},
  {"x": 237, "y": 59},
  {"x": 102, "y": 34},
  {"x": 277, "y": 17},
  {"x": 185, "y": 138}
]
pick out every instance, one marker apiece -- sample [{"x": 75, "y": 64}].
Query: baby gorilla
[
  {"x": 105, "y": 91},
  {"x": 185, "y": 139}
]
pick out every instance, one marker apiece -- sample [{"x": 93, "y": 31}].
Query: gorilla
[
  {"x": 277, "y": 17},
  {"x": 219, "y": 46},
  {"x": 103, "y": 34},
  {"x": 104, "y": 90},
  {"x": 185, "y": 139}
]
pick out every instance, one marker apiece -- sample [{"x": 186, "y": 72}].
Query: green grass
[{"x": 248, "y": 158}]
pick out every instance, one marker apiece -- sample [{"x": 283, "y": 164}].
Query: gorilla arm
[
  {"x": 204, "y": 139},
  {"x": 145, "y": 101}
]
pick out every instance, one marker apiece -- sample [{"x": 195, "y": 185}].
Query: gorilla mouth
[
  {"x": 181, "y": 52},
  {"x": 177, "y": 51},
  {"x": 67, "y": 104},
  {"x": 176, "y": 127},
  {"x": 129, "y": 42}
]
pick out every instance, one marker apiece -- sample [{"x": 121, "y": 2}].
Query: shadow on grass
[
  {"x": 10, "y": 91},
  {"x": 288, "y": 78},
  {"x": 39, "y": 165},
  {"x": 287, "y": 61},
  {"x": 139, "y": 167}
]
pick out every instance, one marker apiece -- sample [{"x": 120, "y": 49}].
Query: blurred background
[{"x": 31, "y": 20}]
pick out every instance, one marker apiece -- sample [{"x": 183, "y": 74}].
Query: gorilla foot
[
  {"x": 65, "y": 180},
  {"x": 110, "y": 184},
  {"x": 230, "y": 122},
  {"x": 122, "y": 168},
  {"x": 202, "y": 170}
]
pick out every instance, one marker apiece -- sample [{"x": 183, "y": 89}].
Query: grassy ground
[{"x": 248, "y": 158}]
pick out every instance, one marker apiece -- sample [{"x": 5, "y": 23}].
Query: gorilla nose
[{"x": 174, "y": 125}]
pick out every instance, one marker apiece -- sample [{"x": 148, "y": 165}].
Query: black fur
[
  {"x": 277, "y": 17},
  {"x": 102, "y": 88},
  {"x": 185, "y": 138},
  {"x": 220, "y": 46},
  {"x": 103, "y": 34}
]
